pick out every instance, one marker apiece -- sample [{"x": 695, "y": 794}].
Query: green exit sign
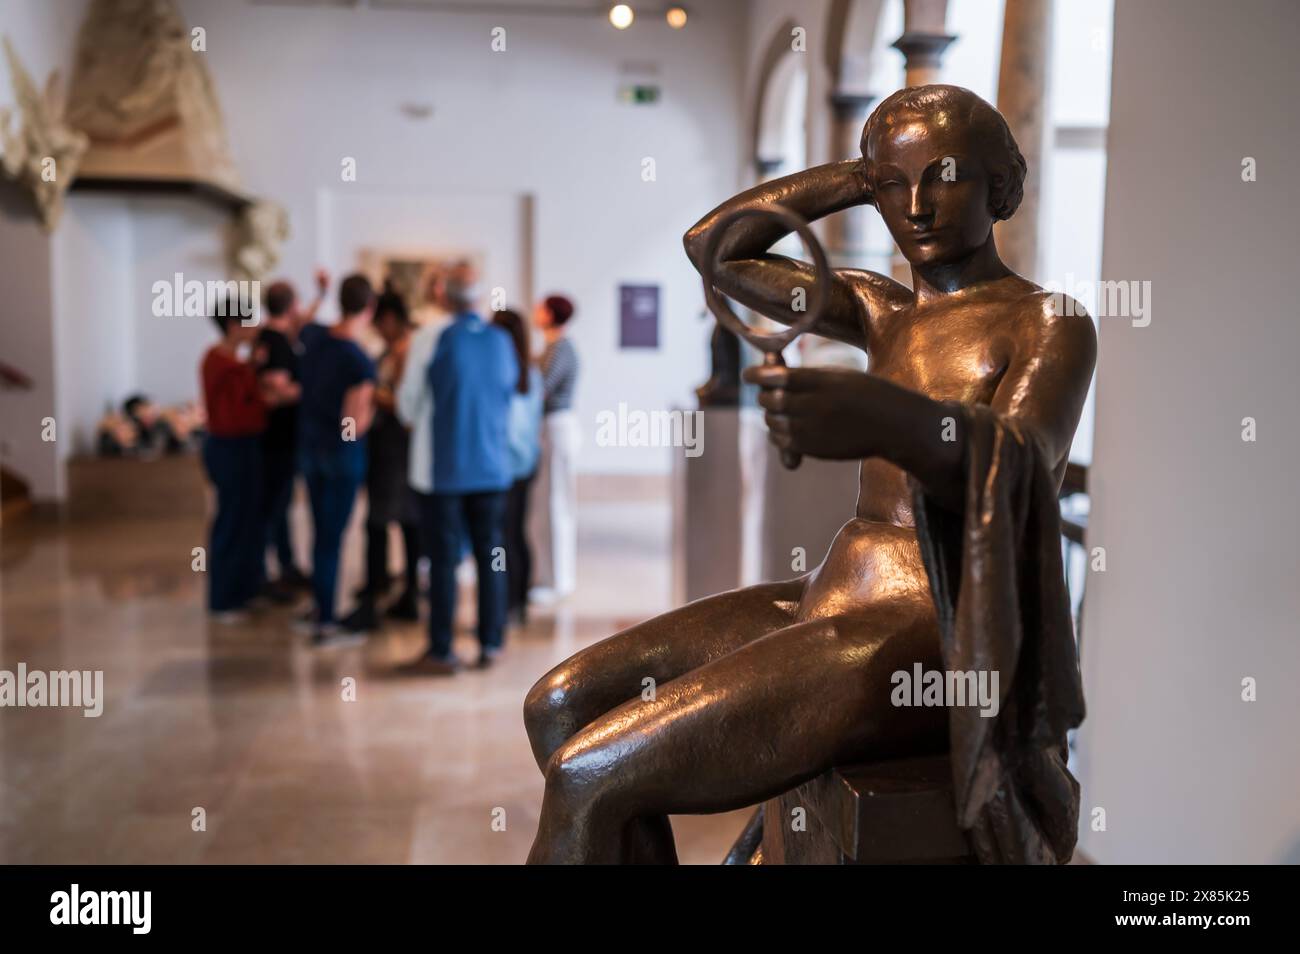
[{"x": 638, "y": 94}]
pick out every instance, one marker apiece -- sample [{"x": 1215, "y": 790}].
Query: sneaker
[
  {"x": 548, "y": 595},
  {"x": 295, "y": 579},
  {"x": 278, "y": 594},
  {"x": 332, "y": 636},
  {"x": 230, "y": 617},
  {"x": 406, "y": 608},
  {"x": 367, "y": 591},
  {"x": 488, "y": 657},
  {"x": 432, "y": 666},
  {"x": 543, "y": 596},
  {"x": 362, "y": 619}
]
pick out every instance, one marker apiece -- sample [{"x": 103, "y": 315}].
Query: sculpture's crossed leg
[{"x": 748, "y": 703}]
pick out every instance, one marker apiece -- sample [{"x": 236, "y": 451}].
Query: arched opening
[{"x": 781, "y": 113}]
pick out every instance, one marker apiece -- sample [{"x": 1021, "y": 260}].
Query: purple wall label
[{"x": 638, "y": 311}]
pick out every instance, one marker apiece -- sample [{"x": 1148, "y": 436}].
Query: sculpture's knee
[
  {"x": 579, "y": 779},
  {"x": 547, "y": 716}
]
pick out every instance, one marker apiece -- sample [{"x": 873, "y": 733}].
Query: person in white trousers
[{"x": 557, "y": 520}]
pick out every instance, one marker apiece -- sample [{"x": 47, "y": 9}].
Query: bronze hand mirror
[{"x": 770, "y": 344}]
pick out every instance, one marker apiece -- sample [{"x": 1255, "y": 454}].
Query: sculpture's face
[{"x": 931, "y": 185}]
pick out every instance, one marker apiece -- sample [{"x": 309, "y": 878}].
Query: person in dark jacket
[
  {"x": 334, "y": 416},
  {"x": 525, "y": 436},
  {"x": 389, "y": 498}
]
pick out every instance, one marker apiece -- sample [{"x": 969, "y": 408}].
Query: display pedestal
[
  {"x": 898, "y": 812},
  {"x": 803, "y": 510},
  {"x": 707, "y": 510},
  {"x": 740, "y": 517}
]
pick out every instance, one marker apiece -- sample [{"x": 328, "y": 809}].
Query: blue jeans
[
  {"x": 332, "y": 480},
  {"x": 280, "y": 468},
  {"x": 447, "y": 518},
  {"x": 235, "y": 572}
]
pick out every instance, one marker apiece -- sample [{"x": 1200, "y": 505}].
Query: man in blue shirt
[
  {"x": 472, "y": 376},
  {"x": 334, "y": 414}
]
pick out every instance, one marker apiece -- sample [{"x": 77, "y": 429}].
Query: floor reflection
[{"x": 251, "y": 727}]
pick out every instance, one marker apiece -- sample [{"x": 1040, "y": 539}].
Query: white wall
[
  {"x": 1200, "y": 528},
  {"x": 94, "y": 332},
  {"x": 972, "y": 60},
  {"x": 1075, "y": 188},
  {"x": 42, "y": 34},
  {"x": 302, "y": 88},
  {"x": 491, "y": 227},
  {"x": 169, "y": 235},
  {"x": 108, "y": 252},
  {"x": 27, "y": 344}
]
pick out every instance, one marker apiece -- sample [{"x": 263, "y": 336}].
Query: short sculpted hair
[{"x": 1001, "y": 155}]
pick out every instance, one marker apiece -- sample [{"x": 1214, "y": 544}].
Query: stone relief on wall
[
  {"x": 145, "y": 98},
  {"x": 42, "y": 154},
  {"x": 261, "y": 230},
  {"x": 141, "y": 106}
]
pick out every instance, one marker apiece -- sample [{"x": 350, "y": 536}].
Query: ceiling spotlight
[
  {"x": 621, "y": 16},
  {"x": 676, "y": 17}
]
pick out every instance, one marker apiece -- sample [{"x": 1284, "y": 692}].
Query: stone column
[
  {"x": 923, "y": 41},
  {"x": 846, "y": 231},
  {"x": 1022, "y": 98}
]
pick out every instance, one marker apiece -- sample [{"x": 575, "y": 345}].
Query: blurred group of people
[{"x": 446, "y": 423}]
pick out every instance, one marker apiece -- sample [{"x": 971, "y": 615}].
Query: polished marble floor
[{"x": 250, "y": 725}]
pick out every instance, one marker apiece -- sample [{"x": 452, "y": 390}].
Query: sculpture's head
[{"x": 942, "y": 166}]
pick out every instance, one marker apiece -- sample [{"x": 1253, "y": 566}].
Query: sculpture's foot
[
  {"x": 570, "y": 833},
  {"x": 580, "y": 826},
  {"x": 649, "y": 841}
]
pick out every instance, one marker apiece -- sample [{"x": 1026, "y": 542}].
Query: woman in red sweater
[{"x": 232, "y": 455}]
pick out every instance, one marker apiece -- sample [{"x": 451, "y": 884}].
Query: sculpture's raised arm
[{"x": 746, "y": 271}]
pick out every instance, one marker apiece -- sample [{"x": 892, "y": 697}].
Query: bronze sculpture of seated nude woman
[{"x": 762, "y": 688}]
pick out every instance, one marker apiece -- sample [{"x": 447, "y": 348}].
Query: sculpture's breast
[{"x": 950, "y": 354}]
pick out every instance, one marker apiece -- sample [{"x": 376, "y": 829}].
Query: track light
[{"x": 621, "y": 16}]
